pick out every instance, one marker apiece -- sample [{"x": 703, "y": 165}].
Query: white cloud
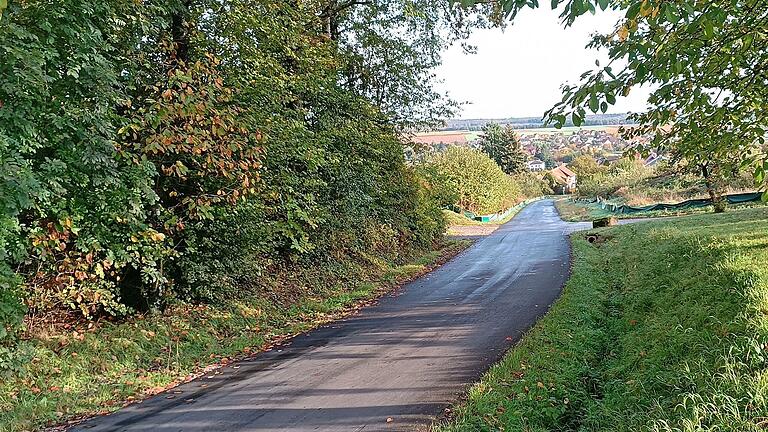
[{"x": 518, "y": 72}]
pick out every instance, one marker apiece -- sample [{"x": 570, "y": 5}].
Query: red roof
[{"x": 562, "y": 173}]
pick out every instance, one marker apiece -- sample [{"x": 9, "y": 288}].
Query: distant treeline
[{"x": 535, "y": 122}]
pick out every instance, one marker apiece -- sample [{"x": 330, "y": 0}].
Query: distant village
[{"x": 546, "y": 148}]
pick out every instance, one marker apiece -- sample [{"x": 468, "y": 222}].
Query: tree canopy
[
  {"x": 391, "y": 49},
  {"x": 176, "y": 149},
  {"x": 476, "y": 182},
  {"x": 503, "y": 146}
]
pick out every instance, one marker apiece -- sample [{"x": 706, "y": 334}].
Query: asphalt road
[{"x": 404, "y": 359}]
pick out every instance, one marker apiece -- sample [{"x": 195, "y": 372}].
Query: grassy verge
[
  {"x": 663, "y": 326},
  {"x": 455, "y": 219},
  {"x": 578, "y": 212},
  {"x": 78, "y": 369}
]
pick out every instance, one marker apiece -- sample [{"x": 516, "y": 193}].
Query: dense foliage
[
  {"x": 392, "y": 47},
  {"x": 477, "y": 182},
  {"x": 158, "y": 150},
  {"x": 532, "y": 184},
  {"x": 503, "y": 146}
]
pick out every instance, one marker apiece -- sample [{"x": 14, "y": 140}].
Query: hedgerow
[{"x": 155, "y": 151}]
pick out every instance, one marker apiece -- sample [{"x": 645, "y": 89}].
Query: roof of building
[
  {"x": 535, "y": 161},
  {"x": 561, "y": 174}
]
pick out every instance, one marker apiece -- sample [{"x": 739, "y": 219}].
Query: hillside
[{"x": 661, "y": 327}]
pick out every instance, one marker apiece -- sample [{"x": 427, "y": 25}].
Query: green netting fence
[{"x": 691, "y": 203}]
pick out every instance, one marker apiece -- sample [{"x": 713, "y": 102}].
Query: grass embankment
[
  {"x": 460, "y": 225},
  {"x": 455, "y": 219},
  {"x": 79, "y": 369},
  {"x": 662, "y": 327}
]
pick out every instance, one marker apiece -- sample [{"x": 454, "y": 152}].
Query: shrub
[
  {"x": 625, "y": 172},
  {"x": 532, "y": 184},
  {"x": 476, "y": 180},
  {"x": 628, "y": 180}
]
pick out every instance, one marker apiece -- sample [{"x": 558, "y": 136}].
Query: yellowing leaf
[{"x": 623, "y": 33}]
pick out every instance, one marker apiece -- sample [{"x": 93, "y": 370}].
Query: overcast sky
[{"x": 518, "y": 72}]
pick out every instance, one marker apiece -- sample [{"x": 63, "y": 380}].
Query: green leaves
[
  {"x": 697, "y": 56},
  {"x": 593, "y": 103},
  {"x": 478, "y": 182},
  {"x": 135, "y": 154},
  {"x": 503, "y": 146}
]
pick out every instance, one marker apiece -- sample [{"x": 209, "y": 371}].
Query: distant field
[{"x": 611, "y": 129}]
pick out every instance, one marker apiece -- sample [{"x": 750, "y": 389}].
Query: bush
[
  {"x": 11, "y": 317},
  {"x": 476, "y": 180},
  {"x": 606, "y": 182},
  {"x": 532, "y": 185},
  {"x": 631, "y": 182}
]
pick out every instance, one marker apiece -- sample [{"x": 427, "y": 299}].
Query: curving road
[{"x": 396, "y": 365}]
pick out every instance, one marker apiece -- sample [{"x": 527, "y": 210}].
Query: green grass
[
  {"x": 572, "y": 211},
  {"x": 662, "y": 327},
  {"x": 83, "y": 370},
  {"x": 454, "y": 219}
]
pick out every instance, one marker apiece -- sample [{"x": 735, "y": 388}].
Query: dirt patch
[
  {"x": 471, "y": 231},
  {"x": 597, "y": 239}
]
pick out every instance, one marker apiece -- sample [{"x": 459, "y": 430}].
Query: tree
[
  {"x": 707, "y": 61},
  {"x": 544, "y": 153},
  {"x": 160, "y": 149},
  {"x": 392, "y": 47},
  {"x": 503, "y": 146},
  {"x": 475, "y": 180},
  {"x": 586, "y": 167}
]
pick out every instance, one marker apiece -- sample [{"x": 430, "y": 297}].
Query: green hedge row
[{"x": 151, "y": 151}]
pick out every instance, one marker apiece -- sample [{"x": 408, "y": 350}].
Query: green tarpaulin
[{"x": 692, "y": 203}]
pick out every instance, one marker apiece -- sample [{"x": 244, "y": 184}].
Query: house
[
  {"x": 565, "y": 179},
  {"x": 536, "y": 165}
]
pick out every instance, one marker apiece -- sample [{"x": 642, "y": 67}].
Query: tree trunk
[
  {"x": 180, "y": 35},
  {"x": 713, "y": 188}
]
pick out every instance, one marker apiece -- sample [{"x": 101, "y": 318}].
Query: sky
[{"x": 518, "y": 72}]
